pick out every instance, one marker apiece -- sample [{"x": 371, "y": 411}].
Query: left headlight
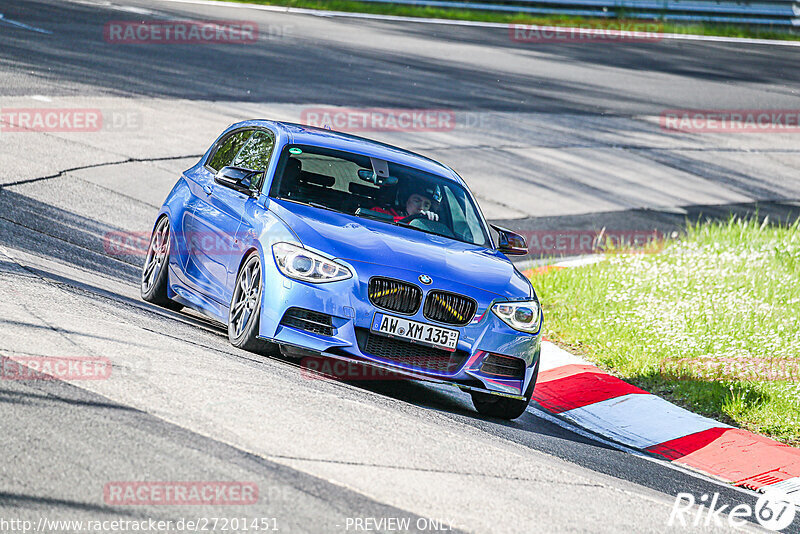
[
  {"x": 301, "y": 264},
  {"x": 524, "y": 316}
]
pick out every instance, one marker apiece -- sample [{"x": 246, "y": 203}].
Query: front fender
[{"x": 260, "y": 229}]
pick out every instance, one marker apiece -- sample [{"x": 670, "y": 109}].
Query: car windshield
[{"x": 380, "y": 190}]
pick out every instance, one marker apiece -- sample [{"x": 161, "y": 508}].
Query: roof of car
[{"x": 301, "y": 134}]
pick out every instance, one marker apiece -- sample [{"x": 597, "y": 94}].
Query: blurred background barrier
[{"x": 784, "y": 13}]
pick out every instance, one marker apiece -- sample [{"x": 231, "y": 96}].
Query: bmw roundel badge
[{"x": 425, "y": 279}]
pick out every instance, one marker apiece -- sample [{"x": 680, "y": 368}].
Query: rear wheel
[
  {"x": 244, "y": 317},
  {"x": 154, "y": 271}
]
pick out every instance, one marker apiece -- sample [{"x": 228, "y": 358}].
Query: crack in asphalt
[
  {"x": 95, "y": 165},
  {"x": 429, "y": 148}
]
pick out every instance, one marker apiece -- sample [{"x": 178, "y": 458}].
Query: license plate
[{"x": 426, "y": 334}]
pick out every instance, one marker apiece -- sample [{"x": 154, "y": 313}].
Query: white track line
[{"x": 475, "y": 24}]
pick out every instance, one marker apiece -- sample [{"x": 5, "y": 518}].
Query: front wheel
[
  {"x": 244, "y": 317},
  {"x": 497, "y": 406},
  {"x": 504, "y": 407}
]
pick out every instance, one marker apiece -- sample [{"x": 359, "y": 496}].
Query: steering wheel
[
  {"x": 407, "y": 220},
  {"x": 436, "y": 227}
]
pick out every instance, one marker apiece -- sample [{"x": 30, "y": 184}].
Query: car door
[
  {"x": 255, "y": 155},
  {"x": 216, "y": 215}
]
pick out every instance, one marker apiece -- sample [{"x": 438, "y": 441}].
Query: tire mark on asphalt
[
  {"x": 607, "y": 145},
  {"x": 431, "y": 470},
  {"x": 734, "y": 179},
  {"x": 68, "y": 242},
  {"x": 68, "y": 288},
  {"x": 45, "y": 324}
]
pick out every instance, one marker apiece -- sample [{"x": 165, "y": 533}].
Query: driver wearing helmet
[{"x": 418, "y": 201}]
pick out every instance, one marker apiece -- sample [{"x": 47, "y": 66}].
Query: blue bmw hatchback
[{"x": 321, "y": 243}]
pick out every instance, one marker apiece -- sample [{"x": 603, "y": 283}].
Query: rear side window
[{"x": 228, "y": 150}]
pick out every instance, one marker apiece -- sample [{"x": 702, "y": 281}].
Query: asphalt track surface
[{"x": 568, "y": 136}]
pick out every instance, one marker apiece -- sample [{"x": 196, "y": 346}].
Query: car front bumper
[{"x": 348, "y": 305}]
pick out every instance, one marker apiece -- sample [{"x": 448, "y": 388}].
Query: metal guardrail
[{"x": 763, "y": 12}]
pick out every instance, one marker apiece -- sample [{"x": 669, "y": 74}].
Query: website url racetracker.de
[{"x": 150, "y": 526}]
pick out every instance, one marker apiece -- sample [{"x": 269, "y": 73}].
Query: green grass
[
  {"x": 712, "y": 322},
  {"x": 726, "y": 30}
]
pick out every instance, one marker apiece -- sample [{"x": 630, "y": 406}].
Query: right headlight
[
  {"x": 524, "y": 316},
  {"x": 301, "y": 264}
]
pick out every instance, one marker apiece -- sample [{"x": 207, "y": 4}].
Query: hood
[{"x": 358, "y": 239}]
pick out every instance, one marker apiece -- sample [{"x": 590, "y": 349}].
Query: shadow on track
[{"x": 299, "y": 67}]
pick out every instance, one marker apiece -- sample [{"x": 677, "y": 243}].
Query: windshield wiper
[
  {"x": 318, "y": 205},
  {"x": 407, "y": 225},
  {"x": 310, "y": 203},
  {"x": 374, "y": 215}
]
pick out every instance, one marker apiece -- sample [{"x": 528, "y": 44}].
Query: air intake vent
[
  {"x": 410, "y": 355},
  {"x": 449, "y": 308},
  {"x": 505, "y": 366},
  {"x": 310, "y": 321},
  {"x": 394, "y": 295}
]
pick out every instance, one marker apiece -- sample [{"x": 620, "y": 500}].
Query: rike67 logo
[{"x": 774, "y": 510}]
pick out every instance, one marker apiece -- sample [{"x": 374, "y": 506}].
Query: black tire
[
  {"x": 503, "y": 407},
  {"x": 244, "y": 316},
  {"x": 497, "y": 406},
  {"x": 154, "y": 280}
]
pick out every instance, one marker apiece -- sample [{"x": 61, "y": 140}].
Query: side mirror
[
  {"x": 237, "y": 178},
  {"x": 510, "y": 243}
]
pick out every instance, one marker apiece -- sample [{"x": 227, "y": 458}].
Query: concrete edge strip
[
  {"x": 477, "y": 24},
  {"x": 576, "y": 391}
]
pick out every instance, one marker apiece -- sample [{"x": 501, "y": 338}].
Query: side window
[
  {"x": 224, "y": 155},
  {"x": 255, "y": 154}
]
